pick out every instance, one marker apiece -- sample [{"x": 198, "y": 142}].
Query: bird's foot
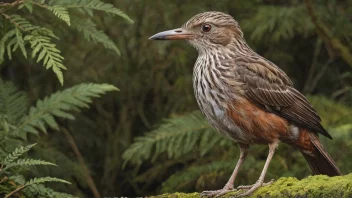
[
  {"x": 251, "y": 188},
  {"x": 217, "y": 193}
]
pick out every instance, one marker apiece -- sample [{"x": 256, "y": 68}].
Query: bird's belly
[{"x": 217, "y": 115}]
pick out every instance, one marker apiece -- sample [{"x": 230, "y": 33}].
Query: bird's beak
[{"x": 175, "y": 34}]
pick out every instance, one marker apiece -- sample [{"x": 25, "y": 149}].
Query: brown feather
[{"x": 273, "y": 89}]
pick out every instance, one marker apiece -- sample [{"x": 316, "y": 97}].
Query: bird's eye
[{"x": 206, "y": 28}]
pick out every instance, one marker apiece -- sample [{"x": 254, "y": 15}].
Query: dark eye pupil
[{"x": 206, "y": 28}]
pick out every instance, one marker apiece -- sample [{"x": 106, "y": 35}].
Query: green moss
[{"x": 313, "y": 186}]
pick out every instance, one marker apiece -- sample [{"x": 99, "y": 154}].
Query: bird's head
[{"x": 205, "y": 30}]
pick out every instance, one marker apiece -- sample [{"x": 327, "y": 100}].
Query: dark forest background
[{"x": 149, "y": 137}]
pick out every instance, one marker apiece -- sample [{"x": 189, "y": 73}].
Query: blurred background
[{"x": 149, "y": 138}]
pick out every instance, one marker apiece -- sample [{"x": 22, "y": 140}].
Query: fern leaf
[
  {"x": 48, "y": 52},
  {"x": 20, "y": 43},
  {"x": 41, "y": 180},
  {"x": 28, "y": 162},
  {"x": 61, "y": 13},
  {"x": 277, "y": 23},
  {"x": 13, "y": 103},
  {"x": 59, "y": 104},
  {"x": 94, "y": 5},
  {"x": 40, "y": 41},
  {"x": 10, "y": 158},
  {"x": 6, "y": 37},
  {"x": 177, "y": 136},
  {"x": 22, "y": 23},
  {"x": 27, "y": 5},
  {"x": 186, "y": 177},
  {"x": 88, "y": 28},
  {"x": 109, "y": 8},
  {"x": 39, "y": 190},
  {"x": 16, "y": 42}
]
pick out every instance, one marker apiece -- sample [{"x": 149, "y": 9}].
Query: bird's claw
[
  {"x": 251, "y": 188},
  {"x": 217, "y": 193}
]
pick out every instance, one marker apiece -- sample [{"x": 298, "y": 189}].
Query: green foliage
[
  {"x": 11, "y": 160},
  {"x": 22, "y": 31},
  {"x": 101, "y": 6},
  {"x": 88, "y": 28},
  {"x": 196, "y": 174},
  {"x": 13, "y": 103},
  {"x": 44, "y": 180},
  {"x": 59, "y": 104},
  {"x": 278, "y": 23},
  {"x": 176, "y": 136},
  {"x": 61, "y": 13},
  {"x": 49, "y": 53},
  {"x": 40, "y": 117}
]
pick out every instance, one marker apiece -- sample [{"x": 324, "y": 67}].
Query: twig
[
  {"x": 14, "y": 22},
  {"x": 40, "y": 5},
  {"x": 15, "y": 191},
  {"x": 10, "y": 5},
  {"x": 74, "y": 147},
  {"x": 340, "y": 92}
]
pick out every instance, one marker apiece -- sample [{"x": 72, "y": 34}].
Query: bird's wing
[{"x": 268, "y": 86}]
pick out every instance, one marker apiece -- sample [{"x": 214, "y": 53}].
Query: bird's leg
[
  {"x": 260, "y": 181},
  {"x": 229, "y": 185}
]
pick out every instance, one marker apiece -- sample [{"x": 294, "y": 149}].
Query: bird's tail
[{"x": 321, "y": 162}]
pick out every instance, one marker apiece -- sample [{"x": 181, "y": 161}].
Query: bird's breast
[{"x": 213, "y": 94}]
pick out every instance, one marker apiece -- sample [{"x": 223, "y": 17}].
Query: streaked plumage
[{"x": 247, "y": 97}]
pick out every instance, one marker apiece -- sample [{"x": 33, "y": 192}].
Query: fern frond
[
  {"x": 188, "y": 176},
  {"x": 88, "y": 28},
  {"x": 177, "y": 136},
  {"x": 106, "y": 7},
  {"x": 93, "y": 5},
  {"x": 39, "y": 190},
  {"x": 16, "y": 42},
  {"x": 28, "y": 162},
  {"x": 13, "y": 103},
  {"x": 22, "y": 23},
  {"x": 10, "y": 34},
  {"x": 48, "y": 52},
  {"x": 41, "y": 180},
  {"x": 27, "y": 5},
  {"x": 10, "y": 158},
  {"x": 20, "y": 43},
  {"x": 61, "y": 13},
  {"x": 277, "y": 23},
  {"x": 59, "y": 104}
]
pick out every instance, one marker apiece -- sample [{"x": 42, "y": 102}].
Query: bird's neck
[{"x": 237, "y": 47}]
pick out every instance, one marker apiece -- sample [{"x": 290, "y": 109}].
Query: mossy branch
[{"x": 310, "y": 187}]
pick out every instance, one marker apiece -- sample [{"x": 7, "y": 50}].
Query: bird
[{"x": 248, "y": 98}]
